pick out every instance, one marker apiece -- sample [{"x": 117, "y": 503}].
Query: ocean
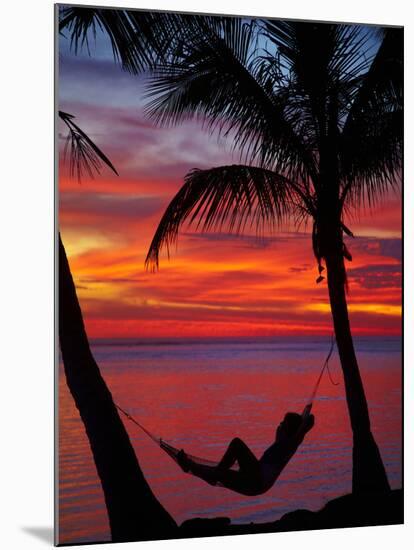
[{"x": 200, "y": 393}]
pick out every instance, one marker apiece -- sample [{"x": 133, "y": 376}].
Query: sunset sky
[{"x": 214, "y": 284}]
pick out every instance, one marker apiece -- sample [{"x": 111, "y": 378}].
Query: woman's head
[{"x": 289, "y": 426}]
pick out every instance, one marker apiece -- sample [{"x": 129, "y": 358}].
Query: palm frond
[
  {"x": 371, "y": 140},
  {"x": 320, "y": 60},
  {"x": 218, "y": 80},
  {"x": 372, "y": 165},
  {"x": 381, "y": 88},
  {"x": 137, "y": 38},
  {"x": 227, "y": 195},
  {"x": 84, "y": 155}
]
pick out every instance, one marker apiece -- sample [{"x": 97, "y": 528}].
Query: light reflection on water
[{"x": 201, "y": 394}]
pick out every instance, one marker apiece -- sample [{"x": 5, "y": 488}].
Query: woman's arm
[{"x": 307, "y": 424}]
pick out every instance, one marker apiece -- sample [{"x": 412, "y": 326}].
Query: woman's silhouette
[{"x": 254, "y": 476}]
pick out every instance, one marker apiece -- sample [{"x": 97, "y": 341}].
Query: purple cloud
[
  {"x": 377, "y": 276},
  {"x": 389, "y": 248},
  {"x": 111, "y": 206}
]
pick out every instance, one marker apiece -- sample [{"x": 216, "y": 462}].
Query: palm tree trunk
[
  {"x": 368, "y": 469},
  {"x": 134, "y": 512}
]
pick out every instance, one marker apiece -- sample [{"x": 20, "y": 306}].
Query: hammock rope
[
  {"x": 174, "y": 451},
  {"x": 318, "y": 381}
]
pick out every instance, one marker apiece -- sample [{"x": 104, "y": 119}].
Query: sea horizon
[{"x": 162, "y": 340}]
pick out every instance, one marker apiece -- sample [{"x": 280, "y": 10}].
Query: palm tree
[
  {"x": 134, "y": 512},
  {"x": 315, "y": 111}
]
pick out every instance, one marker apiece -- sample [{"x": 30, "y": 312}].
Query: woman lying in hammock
[{"x": 254, "y": 476}]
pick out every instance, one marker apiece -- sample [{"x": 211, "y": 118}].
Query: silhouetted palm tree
[
  {"x": 134, "y": 512},
  {"x": 318, "y": 123}
]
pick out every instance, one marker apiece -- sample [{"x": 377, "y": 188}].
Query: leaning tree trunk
[
  {"x": 368, "y": 469},
  {"x": 134, "y": 512}
]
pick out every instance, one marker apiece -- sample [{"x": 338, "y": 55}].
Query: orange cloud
[{"x": 213, "y": 284}]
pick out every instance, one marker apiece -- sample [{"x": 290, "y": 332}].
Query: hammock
[{"x": 174, "y": 451}]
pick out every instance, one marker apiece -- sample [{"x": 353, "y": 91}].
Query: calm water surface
[{"x": 199, "y": 394}]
